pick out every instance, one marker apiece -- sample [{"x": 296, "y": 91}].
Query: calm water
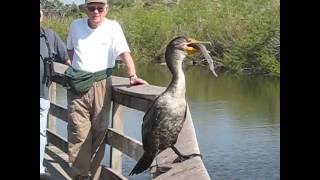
[{"x": 237, "y": 121}]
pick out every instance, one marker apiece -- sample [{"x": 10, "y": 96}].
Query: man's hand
[
  {"x": 68, "y": 62},
  {"x": 134, "y": 80}
]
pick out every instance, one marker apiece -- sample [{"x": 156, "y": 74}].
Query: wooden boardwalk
[
  {"x": 56, "y": 161},
  {"x": 139, "y": 98}
]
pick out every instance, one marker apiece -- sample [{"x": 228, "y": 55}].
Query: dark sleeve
[{"x": 60, "y": 49}]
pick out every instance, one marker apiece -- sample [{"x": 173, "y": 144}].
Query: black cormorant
[{"x": 164, "y": 119}]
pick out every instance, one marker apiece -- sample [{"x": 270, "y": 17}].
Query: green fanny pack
[{"x": 79, "y": 81}]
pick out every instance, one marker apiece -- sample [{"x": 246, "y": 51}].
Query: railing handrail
[{"x": 139, "y": 98}]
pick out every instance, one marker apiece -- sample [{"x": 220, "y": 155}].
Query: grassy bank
[{"x": 245, "y": 34}]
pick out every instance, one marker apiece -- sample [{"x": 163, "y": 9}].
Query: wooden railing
[{"x": 136, "y": 97}]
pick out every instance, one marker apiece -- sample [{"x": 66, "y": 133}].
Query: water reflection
[{"x": 237, "y": 121}]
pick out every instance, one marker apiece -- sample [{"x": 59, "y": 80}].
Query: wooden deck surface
[{"x": 55, "y": 161}]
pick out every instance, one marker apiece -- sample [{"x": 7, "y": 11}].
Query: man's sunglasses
[{"x": 93, "y": 8}]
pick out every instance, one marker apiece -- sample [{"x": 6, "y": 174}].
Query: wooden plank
[
  {"x": 52, "y": 119},
  {"x": 57, "y": 140},
  {"x": 114, "y": 137},
  {"x": 110, "y": 174},
  {"x": 56, "y": 161},
  {"x": 137, "y": 97},
  {"x": 59, "y": 111},
  {"x": 131, "y": 101},
  {"x": 116, "y": 123},
  {"x": 125, "y": 144},
  {"x": 121, "y": 84}
]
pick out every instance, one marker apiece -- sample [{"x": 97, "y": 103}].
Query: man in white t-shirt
[{"x": 93, "y": 45}]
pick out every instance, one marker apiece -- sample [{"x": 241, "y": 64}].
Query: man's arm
[{"x": 127, "y": 59}]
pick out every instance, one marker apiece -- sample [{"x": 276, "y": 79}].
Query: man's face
[{"x": 96, "y": 12}]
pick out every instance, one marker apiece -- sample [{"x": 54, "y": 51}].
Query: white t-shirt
[{"x": 96, "y": 49}]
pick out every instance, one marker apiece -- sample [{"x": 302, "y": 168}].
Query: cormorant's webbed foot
[{"x": 182, "y": 157}]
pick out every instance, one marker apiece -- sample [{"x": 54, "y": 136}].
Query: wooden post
[
  {"x": 116, "y": 123},
  {"x": 52, "y": 97}
]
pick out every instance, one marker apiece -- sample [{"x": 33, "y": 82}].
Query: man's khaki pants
[{"x": 88, "y": 122}]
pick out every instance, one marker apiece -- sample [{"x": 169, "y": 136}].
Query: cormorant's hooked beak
[{"x": 192, "y": 46}]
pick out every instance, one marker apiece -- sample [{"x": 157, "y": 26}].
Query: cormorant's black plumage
[{"x": 163, "y": 121}]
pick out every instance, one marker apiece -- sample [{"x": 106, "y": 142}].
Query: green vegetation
[{"x": 245, "y": 35}]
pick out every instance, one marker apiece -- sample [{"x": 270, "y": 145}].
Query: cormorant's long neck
[{"x": 178, "y": 81}]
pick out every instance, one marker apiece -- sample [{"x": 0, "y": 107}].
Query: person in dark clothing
[{"x": 51, "y": 45}]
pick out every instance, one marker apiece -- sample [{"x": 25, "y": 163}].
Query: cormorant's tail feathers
[{"x": 143, "y": 164}]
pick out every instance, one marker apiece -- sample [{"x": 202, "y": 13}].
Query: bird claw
[{"x": 180, "y": 159}]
